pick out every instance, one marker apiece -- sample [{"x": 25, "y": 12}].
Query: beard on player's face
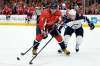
[{"x": 53, "y": 10}]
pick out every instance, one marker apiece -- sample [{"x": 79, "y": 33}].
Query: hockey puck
[
  {"x": 59, "y": 51},
  {"x": 30, "y": 63},
  {"x": 18, "y": 58}
]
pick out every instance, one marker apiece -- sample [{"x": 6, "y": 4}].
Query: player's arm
[
  {"x": 41, "y": 25},
  {"x": 41, "y": 22},
  {"x": 91, "y": 25},
  {"x": 61, "y": 24},
  {"x": 64, "y": 21}
]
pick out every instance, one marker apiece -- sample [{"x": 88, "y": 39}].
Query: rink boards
[
  {"x": 19, "y": 20},
  {"x": 34, "y": 24}
]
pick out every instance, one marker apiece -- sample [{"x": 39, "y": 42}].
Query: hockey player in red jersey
[{"x": 47, "y": 20}]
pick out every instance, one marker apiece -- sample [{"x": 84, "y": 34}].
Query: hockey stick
[
  {"x": 24, "y": 53},
  {"x": 33, "y": 45},
  {"x": 39, "y": 51}
]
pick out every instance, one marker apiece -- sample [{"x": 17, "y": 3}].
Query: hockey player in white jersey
[{"x": 73, "y": 24}]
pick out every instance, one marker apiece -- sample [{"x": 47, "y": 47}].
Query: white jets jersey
[{"x": 75, "y": 24}]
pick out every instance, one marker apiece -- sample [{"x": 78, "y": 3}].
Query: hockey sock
[
  {"x": 35, "y": 44},
  {"x": 62, "y": 45}
]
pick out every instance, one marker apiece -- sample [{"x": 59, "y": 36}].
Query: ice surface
[{"x": 16, "y": 39}]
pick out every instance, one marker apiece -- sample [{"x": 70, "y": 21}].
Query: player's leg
[
  {"x": 7, "y": 17},
  {"x": 28, "y": 18},
  {"x": 79, "y": 37},
  {"x": 36, "y": 42},
  {"x": 67, "y": 34},
  {"x": 38, "y": 36},
  {"x": 55, "y": 33},
  {"x": 78, "y": 42}
]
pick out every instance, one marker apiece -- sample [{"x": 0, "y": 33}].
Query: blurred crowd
[
  {"x": 22, "y": 7},
  {"x": 93, "y": 9}
]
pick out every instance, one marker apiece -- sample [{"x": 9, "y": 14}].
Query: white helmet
[
  {"x": 72, "y": 12},
  {"x": 64, "y": 5}
]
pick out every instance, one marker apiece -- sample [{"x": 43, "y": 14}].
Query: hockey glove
[
  {"x": 44, "y": 33},
  {"x": 91, "y": 25}
]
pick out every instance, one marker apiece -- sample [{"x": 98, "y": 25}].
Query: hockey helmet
[
  {"x": 72, "y": 12},
  {"x": 53, "y": 5}
]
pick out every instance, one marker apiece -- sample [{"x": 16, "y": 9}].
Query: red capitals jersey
[
  {"x": 20, "y": 10},
  {"x": 47, "y": 19},
  {"x": 7, "y": 10}
]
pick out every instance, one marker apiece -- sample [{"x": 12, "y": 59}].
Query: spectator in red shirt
[
  {"x": 29, "y": 10},
  {"x": 20, "y": 8},
  {"x": 7, "y": 10}
]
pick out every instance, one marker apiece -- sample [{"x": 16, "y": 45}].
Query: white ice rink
[{"x": 16, "y": 39}]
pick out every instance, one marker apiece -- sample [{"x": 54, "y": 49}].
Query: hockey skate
[
  {"x": 60, "y": 50},
  {"x": 67, "y": 52},
  {"x": 34, "y": 51},
  {"x": 77, "y": 48},
  {"x": 35, "y": 47}
]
